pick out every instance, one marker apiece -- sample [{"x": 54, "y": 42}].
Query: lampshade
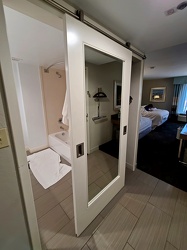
[
  {"x": 99, "y": 94},
  {"x": 156, "y": 97}
]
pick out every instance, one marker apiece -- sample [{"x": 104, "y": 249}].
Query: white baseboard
[
  {"x": 27, "y": 148},
  {"x": 94, "y": 149},
  {"x": 34, "y": 150},
  {"x": 130, "y": 166}
]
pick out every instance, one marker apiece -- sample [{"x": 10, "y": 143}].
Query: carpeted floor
[
  {"x": 111, "y": 148},
  {"x": 158, "y": 155}
]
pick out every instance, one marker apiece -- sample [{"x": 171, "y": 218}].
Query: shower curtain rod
[
  {"x": 80, "y": 16},
  {"x": 47, "y": 69}
]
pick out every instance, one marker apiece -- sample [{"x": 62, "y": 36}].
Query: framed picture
[
  {"x": 117, "y": 95},
  {"x": 158, "y": 94}
]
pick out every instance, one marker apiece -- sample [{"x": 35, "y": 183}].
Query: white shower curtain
[{"x": 65, "y": 115}]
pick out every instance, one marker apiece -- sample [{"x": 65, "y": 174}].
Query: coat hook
[{"x": 58, "y": 74}]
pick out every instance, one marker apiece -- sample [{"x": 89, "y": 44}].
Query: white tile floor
[{"x": 146, "y": 214}]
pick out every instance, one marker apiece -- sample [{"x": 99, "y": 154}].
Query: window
[{"x": 182, "y": 100}]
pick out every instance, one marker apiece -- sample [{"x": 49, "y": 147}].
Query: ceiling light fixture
[{"x": 182, "y": 5}]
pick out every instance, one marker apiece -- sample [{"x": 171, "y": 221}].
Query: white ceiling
[
  {"x": 32, "y": 41},
  {"x": 96, "y": 57},
  {"x": 144, "y": 24}
]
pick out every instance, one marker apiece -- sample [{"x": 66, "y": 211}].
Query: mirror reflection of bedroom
[
  {"x": 101, "y": 70},
  {"x": 162, "y": 150}
]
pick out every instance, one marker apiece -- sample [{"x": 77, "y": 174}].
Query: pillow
[
  {"x": 148, "y": 107},
  {"x": 151, "y": 109},
  {"x": 142, "y": 109}
]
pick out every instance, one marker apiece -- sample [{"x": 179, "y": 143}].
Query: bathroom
[
  {"x": 41, "y": 86},
  {"x": 40, "y": 93}
]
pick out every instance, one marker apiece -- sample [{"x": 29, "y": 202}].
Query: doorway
[
  {"x": 35, "y": 46},
  {"x": 124, "y": 119}
]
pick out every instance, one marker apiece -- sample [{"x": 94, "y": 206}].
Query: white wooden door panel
[{"x": 79, "y": 35}]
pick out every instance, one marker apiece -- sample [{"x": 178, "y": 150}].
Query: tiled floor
[
  {"x": 146, "y": 214},
  {"x": 102, "y": 169}
]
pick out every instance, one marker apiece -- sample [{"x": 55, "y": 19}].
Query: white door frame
[
  {"x": 134, "y": 108},
  {"x": 87, "y": 110},
  {"x": 78, "y": 35},
  {"x": 16, "y": 128}
]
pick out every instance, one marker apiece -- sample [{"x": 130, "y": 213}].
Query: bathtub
[{"x": 59, "y": 142}]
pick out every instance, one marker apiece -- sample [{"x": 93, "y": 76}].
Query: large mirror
[{"x": 103, "y": 120}]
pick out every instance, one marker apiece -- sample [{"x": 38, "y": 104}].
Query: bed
[
  {"x": 158, "y": 116},
  {"x": 145, "y": 126}
]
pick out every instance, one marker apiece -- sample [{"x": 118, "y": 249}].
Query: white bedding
[
  {"x": 158, "y": 116},
  {"x": 145, "y": 123}
]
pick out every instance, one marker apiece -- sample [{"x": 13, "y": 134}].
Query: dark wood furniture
[{"x": 115, "y": 120}]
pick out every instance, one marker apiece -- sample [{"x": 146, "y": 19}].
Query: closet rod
[{"x": 80, "y": 16}]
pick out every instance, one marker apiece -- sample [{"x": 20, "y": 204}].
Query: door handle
[
  {"x": 80, "y": 149},
  {"x": 124, "y": 130}
]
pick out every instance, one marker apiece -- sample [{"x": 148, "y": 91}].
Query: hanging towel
[{"x": 65, "y": 116}]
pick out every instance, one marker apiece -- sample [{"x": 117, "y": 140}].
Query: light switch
[{"x": 4, "y": 141}]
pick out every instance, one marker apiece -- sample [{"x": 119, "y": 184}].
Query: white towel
[
  {"x": 65, "y": 115},
  {"x": 46, "y": 167}
]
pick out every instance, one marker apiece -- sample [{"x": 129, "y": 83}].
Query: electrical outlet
[{"x": 4, "y": 141}]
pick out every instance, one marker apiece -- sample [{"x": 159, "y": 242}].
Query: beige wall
[
  {"x": 102, "y": 77},
  {"x": 148, "y": 84},
  {"x": 31, "y": 101},
  {"x": 13, "y": 230},
  {"x": 54, "y": 89}
]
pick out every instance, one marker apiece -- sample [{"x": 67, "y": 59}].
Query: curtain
[
  {"x": 182, "y": 100},
  {"x": 177, "y": 89},
  {"x": 180, "y": 80}
]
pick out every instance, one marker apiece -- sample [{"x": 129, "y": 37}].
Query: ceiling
[
  {"x": 144, "y": 24},
  {"x": 32, "y": 41}
]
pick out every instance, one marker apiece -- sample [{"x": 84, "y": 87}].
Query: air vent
[
  {"x": 16, "y": 59},
  {"x": 170, "y": 11}
]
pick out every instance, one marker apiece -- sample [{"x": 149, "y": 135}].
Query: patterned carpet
[{"x": 158, "y": 155}]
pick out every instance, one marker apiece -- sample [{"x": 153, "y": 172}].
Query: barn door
[{"x": 86, "y": 46}]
